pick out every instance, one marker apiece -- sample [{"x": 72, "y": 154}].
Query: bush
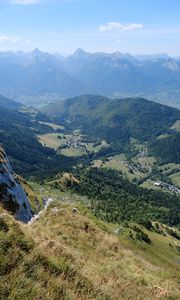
[
  {"x": 141, "y": 235},
  {"x": 3, "y": 225},
  {"x": 146, "y": 223}
]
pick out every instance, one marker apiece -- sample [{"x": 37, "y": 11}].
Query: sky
[{"x": 133, "y": 26}]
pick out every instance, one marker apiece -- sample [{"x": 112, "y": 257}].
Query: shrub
[{"x": 3, "y": 225}]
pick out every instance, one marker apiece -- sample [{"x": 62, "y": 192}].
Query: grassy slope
[
  {"x": 75, "y": 256},
  {"x": 34, "y": 196}
]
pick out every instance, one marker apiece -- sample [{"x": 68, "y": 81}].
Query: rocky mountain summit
[{"x": 12, "y": 195}]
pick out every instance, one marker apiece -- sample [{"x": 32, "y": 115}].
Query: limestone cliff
[{"x": 12, "y": 195}]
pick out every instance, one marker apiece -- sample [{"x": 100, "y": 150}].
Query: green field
[
  {"x": 52, "y": 125},
  {"x": 55, "y": 140},
  {"x": 173, "y": 172},
  {"x": 162, "y": 136},
  {"x": 119, "y": 163},
  {"x": 148, "y": 184},
  {"x": 51, "y": 140},
  {"x": 70, "y": 144},
  {"x": 135, "y": 143},
  {"x": 72, "y": 152},
  {"x": 176, "y": 179},
  {"x": 92, "y": 148},
  {"x": 170, "y": 166}
]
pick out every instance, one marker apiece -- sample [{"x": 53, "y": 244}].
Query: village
[{"x": 166, "y": 186}]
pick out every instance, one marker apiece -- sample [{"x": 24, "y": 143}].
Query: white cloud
[
  {"x": 24, "y": 2},
  {"x": 7, "y": 38},
  {"x": 118, "y": 26},
  {"x": 27, "y": 41}
]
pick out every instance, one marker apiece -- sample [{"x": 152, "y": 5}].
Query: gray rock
[{"x": 12, "y": 195}]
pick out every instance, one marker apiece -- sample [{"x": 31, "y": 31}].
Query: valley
[
  {"x": 74, "y": 144},
  {"x": 89, "y": 150},
  {"x": 135, "y": 159},
  {"x": 104, "y": 202}
]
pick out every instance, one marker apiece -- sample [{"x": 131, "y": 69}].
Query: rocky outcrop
[{"x": 12, "y": 195}]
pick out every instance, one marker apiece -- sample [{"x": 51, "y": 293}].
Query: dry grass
[
  {"x": 176, "y": 125},
  {"x": 66, "y": 255},
  {"x": 50, "y": 140},
  {"x": 34, "y": 197},
  {"x": 115, "y": 267}
]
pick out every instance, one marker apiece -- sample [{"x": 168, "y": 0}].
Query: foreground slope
[{"x": 66, "y": 255}]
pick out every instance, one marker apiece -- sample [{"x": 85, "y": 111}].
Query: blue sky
[{"x": 134, "y": 26}]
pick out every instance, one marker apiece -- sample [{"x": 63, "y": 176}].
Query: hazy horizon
[
  {"x": 91, "y": 52},
  {"x": 62, "y": 26}
]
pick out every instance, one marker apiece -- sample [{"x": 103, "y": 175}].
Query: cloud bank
[
  {"x": 25, "y": 2},
  {"x": 121, "y": 27},
  {"x": 7, "y": 38}
]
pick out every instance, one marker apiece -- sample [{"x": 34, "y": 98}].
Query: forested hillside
[
  {"x": 167, "y": 149},
  {"x": 18, "y": 136},
  {"x": 119, "y": 120},
  {"x": 115, "y": 199}
]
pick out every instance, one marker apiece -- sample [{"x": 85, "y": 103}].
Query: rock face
[{"x": 12, "y": 195}]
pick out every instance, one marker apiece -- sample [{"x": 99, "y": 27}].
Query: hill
[
  {"x": 115, "y": 120},
  {"x": 136, "y": 137},
  {"x": 8, "y": 103},
  {"x": 167, "y": 149}
]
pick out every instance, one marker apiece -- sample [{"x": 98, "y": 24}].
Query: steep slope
[
  {"x": 66, "y": 255},
  {"x": 12, "y": 195},
  {"x": 18, "y": 136}
]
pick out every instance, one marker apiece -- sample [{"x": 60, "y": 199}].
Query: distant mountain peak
[
  {"x": 171, "y": 65},
  {"x": 80, "y": 52},
  {"x": 36, "y": 51}
]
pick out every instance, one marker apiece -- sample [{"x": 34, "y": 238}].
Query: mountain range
[{"x": 39, "y": 77}]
